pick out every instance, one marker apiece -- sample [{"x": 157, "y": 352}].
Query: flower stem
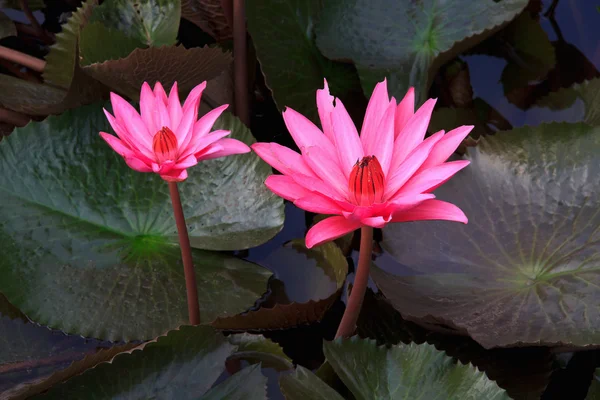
[
  {"x": 361, "y": 279},
  {"x": 186, "y": 255},
  {"x": 240, "y": 56},
  {"x": 25, "y": 60}
]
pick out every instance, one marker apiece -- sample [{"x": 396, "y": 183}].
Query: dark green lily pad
[
  {"x": 283, "y": 34},
  {"x": 407, "y": 41},
  {"x": 302, "y": 384},
  {"x": 89, "y": 245},
  {"x": 525, "y": 270},
  {"x": 185, "y": 363},
  {"x": 248, "y": 384},
  {"x": 588, "y": 110},
  {"x": 259, "y": 349},
  {"x": 318, "y": 275}
]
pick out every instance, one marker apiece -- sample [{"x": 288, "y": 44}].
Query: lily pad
[
  {"x": 248, "y": 384},
  {"x": 302, "y": 384},
  {"x": 406, "y": 372},
  {"x": 185, "y": 363},
  {"x": 188, "y": 67},
  {"x": 318, "y": 275},
  {"x": 209, "y": 16},
  {"x": 407, "y": 41},
  {"x": 89, "y": 245},
  {"x": 588, "y": 92},
  {"x": 525, "y": 270},
  {"x": 283, "y": 34},
  {"x": 259, "y": 349}
]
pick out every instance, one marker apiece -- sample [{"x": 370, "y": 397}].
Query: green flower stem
[
  {"x": 186, "y": 255},
  {"x": 361, "y": 279}
]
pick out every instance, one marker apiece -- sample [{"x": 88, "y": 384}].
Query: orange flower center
[
  {"x": 366, "y": 182},
  {"x": 164, "y": 145}
]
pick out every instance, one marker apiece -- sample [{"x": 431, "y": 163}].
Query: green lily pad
[
  {"x": 89, "y": 245},
  {"x": 587, "y": 111},
  {"x": 248, "y": 384},
  {"x": 116, "y": 44},
  {"x": 318, "y": 275},
  {"x": 406, "y": 372},
  {"x": 407, "y": 41},
  {"x": 186, "y": 362},
  {"x": 259, "y": 349},
  {"x": 188, "y": 67},
  {"x": 7, "y": 26},
  {"x": 150, "y": 22},
  {"x": 283, "y": 34},
  {"x": 526, "y": 268},
  {"x": 302, "y": 384}
]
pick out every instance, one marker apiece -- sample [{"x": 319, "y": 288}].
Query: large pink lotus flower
[
  {"x": 385, "y": 175},
  {"x": 167, "y": 138}
]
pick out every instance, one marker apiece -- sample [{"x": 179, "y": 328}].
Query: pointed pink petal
[
  {"x": 347, "y": 142},
  {"x": 175, "y": 175},
  {"x": 382, "y": 145},
  {"x": 127, "y": 138},
  {"x": 137, "y": 165},
  {"x": 163, "y": 119},
  {"x": 195, "y": 93},
  {"x": 283, "y": 159},
  {"x": 208, "y": 151},
  {"x": 412, "y": 134},
  {"x": 432, "y": 210},
  {"x": 315, "y": 184},
  {"x": 204, "y": 141},
  {"x": 175, "y": 112},
  {"x": 405, "y": 111},
  {"x": 446, "y": 146},
  {"x": 186, "y": 162},
  {"x": 160, "y": 94},
  {"x": 202, "y": 126},
  {"x": 189, "y": 117},
  {"x": 326, "y": 167},
  {"x": 377, "y": 106},
  {"x": 375, "y": 222},
  {"x": 426, "y": 180},
  {"x": 118, "y": 146},
  {"x": 228, "y": 147},
  {"x": 304, "y": 132},
  {"x": 284, "y": 186},
  {"x": 411, "y": 165},
  {"x": 128, "y": 118},
  {"x": 318, "y": 203},
  {"x": 147, "y": 109},
  {"x": 330, "y": 229},
  {"x": 325, "y": 107}
]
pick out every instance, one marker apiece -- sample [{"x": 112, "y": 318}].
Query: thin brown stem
[
  {"x": 13, "y": 117},
  {"x": 24, "y": 59},
  {"x": 186, "y": 255},
  {"x": 361, "y": 279},
  {"x": 32, "y": 20},
  {"x": 240, "y": 56}
]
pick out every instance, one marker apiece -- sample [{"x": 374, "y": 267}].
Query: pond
[{"x": 514, "y": 292}]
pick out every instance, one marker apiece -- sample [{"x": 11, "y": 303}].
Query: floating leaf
[
  {"x": 406, "y": 372},
  {"x": 188, "y": 67},
  {"x": 258, "y": 349},
  {"x": 185, "y": 363},
  {"x": 89, "y": 245},
  {"x": 209, "y": 16},
  {"x": 318, "y": 275},
  {"x": 588, "y": 92},
  {"x": 248, "y": 384},
  {"x": 525, "y": 269},
  {"x": 406, "y": 41},
  {"x": 117, "y": 44},
  {"x": 7, "y": 27},
  {"x": 302, "y": 384},
  {"x": 282, "y": 33}
]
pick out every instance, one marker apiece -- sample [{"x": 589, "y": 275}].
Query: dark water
[{"x": 577, "y": 42}]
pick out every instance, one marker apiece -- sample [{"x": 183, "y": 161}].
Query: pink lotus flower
[
  {"x": 385, "y": 175},
  {"x": 167, "y": 138}
]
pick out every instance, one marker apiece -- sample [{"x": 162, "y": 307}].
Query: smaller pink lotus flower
[
  {"x": 166, "y": 138},
  {"x": 387, "y": 174}
]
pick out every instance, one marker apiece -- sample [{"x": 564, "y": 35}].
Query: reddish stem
[
  {"x": 361, "y": 279},
  {"x": 186, "y": 255},
  {"x": 13, "y": 117},
  {"x": 240, "y": 57},
  {"x": 24, "y": 59}
]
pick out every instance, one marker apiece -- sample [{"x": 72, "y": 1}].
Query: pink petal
[
  {"x": 128, "y": 140},
  {"x": 304, "y": 132},
  {"x": 315, "y": 184},
  {"x": 147, "y": 109},
  {"x": 326, "y": 167},
  {"x": 228, "y": 147},
  {"x": 424, "y": 181},
  {"x": 325, "y": 107},
  {"x": 347, "y": 142},
  {"x": 330, "y": 229},
  {"x": 185, "y": 127},
  {"x": 405, "y": 111},
  {"x": 284, "y": 186},
  {"x": 195, "y": 93},
  {"x": 376, "y": 222},
  {"x": 382, "y": 145},
  {"x": 411, "y": 165},
  {"x": 175, "y": 112},
  {"x": 377, "y": 106},
  {"x": 159, "y": 93},
  {"x": 203, "y": 126},
  {"x": 446, "y": 146},
  {"x": 128, "y": 118},
  {"x": 283, "y": 159},
  {"x": 137, "y": 165},
  {"x": 317, "y": 203},
  {"x": 186, "y": 162},
  {"x": 203, "y": 141},
  {"x": 163, "y": 118},
  {"x": 175, "y": 175},
  {"x": 118, "y": 146},
  {"x": 432, "y": 210},
  {"x": 412, "y": 134}
]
